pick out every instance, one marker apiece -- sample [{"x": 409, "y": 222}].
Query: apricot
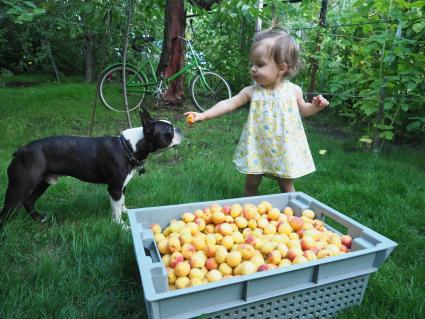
[
  {"x": 293, "y": 253},
  {"x": 197, "y": 260},
  {"x": 288, "y": 211},
  {"x": 252, "y": 223},
  {"x": 267, "y": 205},
  {"x": 296, "y": 223},
  {"x": 188, "y": 250},
  {"x": 308, "y": 213},
  {"x": 174, "y": 244},
  {"x": 299, "y": 260},
  {"x": 211, "y": 263},
  {"x": 214, "y": 275},
  {"x": 198, "y": 243},
  {"x": 171, "y": 276},
  {"x": 235, "y": 210},
  {"x": 221, "y": 254},
  {"x": 265, "y": 267},
  {"x": 190, "y": 119},
  {"x": 188, "y": 217},
  {"x": 237, "y": 237},
  {"x": 196, "y": 282},
  {"x": 274, "y": 257},
  {"x": 182, "y": 282},
  {"x": 225, "y": 229},
  {"x": 234, "y": 258},
  {"x": 284, "y": 228},
  {"x": 182, "y": 269},
  {"x": 247, "y": 251},
  {"x": 273, "y": 214},
  {"x": 163, "y": 247},
  {"x": 347, "y": 241},
  {"x": 218, "y": 217},
  {"x": 156, "y": 228},
  {"x": 257, "y": 260},
  {"x": 310, "y": 255},
  {"x": 225, "y": 269},
  {"x": 307, "y": 242},
  {"x": 228, "y": 242},
  {"x": 196, "y": 273},
  {"x": 210, "y": 250},
  {"x": 285, "y": 262},
  {"x": 248, "y": 268}
]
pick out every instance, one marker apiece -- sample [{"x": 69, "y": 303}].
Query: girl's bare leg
[
  {"x": 286, "y": 185},
  {"x": 251, "y": 184}
]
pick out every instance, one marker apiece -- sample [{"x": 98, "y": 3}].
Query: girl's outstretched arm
[
  {"x": 225, "y": 106},
  {"x": 306, "y": 109}
]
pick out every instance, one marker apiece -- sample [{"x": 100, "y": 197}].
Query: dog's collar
[{"x": 128, "y": 152}]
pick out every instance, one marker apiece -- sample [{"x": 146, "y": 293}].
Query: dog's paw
[
  {"x": 122, "y": 224},
  {"x": 40, "y": 217},
  {"x": 43, "y": 218}
]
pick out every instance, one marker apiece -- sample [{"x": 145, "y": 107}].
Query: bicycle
[{"x": 206, "y": 87}]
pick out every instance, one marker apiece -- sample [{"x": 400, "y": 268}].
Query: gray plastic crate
[{"x": 317, "y": 289}]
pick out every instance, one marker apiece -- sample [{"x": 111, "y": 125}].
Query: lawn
[{"x": 81, "y": 265}]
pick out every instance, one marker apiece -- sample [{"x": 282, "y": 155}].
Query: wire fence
[
  {"x": 349, "y": 95},
  {"x": 327, "y": 26}
]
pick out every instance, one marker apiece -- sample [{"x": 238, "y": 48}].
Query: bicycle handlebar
[
  {"x": 145, "y": 39},
  {"x": 181, "y": 38}
]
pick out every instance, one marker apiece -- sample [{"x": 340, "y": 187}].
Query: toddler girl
[{"x": 273, "y": 141}]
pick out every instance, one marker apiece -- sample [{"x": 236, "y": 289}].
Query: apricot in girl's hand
[{"x": 190, "y": 119}]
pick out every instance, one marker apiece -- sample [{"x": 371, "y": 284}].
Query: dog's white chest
[{"x": 129, "y": 177}]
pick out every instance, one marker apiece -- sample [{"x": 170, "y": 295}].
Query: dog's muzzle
[{"x": 178, "y": 137}]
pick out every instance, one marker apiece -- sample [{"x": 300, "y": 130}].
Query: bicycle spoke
[
  {"x": 111, "y": 89},
  {"x": 208, "y": 90}
]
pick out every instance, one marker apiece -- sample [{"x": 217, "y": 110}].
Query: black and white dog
[{"x": 103, "y": 160}]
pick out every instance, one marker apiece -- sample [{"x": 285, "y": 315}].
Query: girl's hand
[
  {"x": 320, "y": 102},
  {"x": 192, "y": 117}
]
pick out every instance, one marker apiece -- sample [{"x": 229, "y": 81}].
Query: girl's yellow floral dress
[{"x": 273, "y": 141}]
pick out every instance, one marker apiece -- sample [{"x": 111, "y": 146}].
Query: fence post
[
  {"x": 314, "y": 62},
  {"x": 380, "y": 112}
]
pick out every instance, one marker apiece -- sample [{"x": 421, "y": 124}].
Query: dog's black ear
[
  {"x": 147, "y": 121},
  {"x": 144, "y": 114}
]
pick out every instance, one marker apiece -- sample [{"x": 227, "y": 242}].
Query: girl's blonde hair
[{"x": 284, "y": 50}]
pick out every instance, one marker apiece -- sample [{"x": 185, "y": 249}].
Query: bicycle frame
[{"x": 146, "y": 87}]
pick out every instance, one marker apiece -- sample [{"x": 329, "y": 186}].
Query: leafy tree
[{"x": 371, "y": 63}]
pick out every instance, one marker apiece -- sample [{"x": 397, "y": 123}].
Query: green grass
[{"x": 81, "y": 265}]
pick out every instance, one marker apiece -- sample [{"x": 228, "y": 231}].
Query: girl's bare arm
[
  {"x": 225, "y": 106},
  {"x": 306, "y": 109}
]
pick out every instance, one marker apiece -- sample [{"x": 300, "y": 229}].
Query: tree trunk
[
  {"x": 172, "y": 55},
  {"x": 47, "y": 47},
  {"x": 314, "y": 62},
  {"x": 89, "y": 58}
]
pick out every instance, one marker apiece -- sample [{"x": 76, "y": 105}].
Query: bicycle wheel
[
  {"x": 110, "y": 88},
  {"x": 205, "y": 94}
]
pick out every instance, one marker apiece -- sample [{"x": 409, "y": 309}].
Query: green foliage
[
  {"x": 368, "y": 58},
  {"x": 226, "y": 52},
  {"x": 21, "y": 11},
  {"x": 367, "y": 50}
]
